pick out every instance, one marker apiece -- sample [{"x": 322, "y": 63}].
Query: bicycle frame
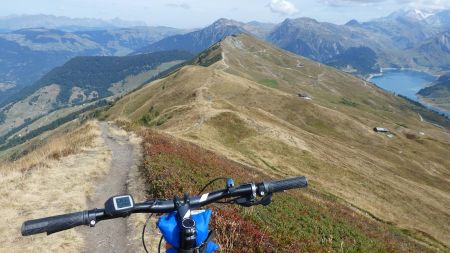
[{"x": 188, "y": 229}]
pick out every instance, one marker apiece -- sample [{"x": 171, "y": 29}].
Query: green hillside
[
  {"x": 65, "y": 90},
  {"x": 98, "y": 73}
]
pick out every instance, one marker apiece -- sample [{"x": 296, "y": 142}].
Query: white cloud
[
  {"x": 282, "y": 7},
  {"x": 180, "y": 5},
  {"x": 348, "y": 3},
  {"x": 432, "y": 4}
]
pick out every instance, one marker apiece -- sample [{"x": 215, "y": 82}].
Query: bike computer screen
[{"x": 123, "y": 202}]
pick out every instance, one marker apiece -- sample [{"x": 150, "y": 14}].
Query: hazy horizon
[{"x": 199, "y": 13}]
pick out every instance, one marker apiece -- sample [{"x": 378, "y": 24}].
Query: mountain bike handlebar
[{"x": 59, "y": 223}]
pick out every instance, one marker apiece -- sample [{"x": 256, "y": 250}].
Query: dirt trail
[{"x": 112, "y": 236}]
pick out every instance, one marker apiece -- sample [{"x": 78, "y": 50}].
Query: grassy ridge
[
  {"x": 223, "y": 107},
  {"x": 303, "y": 220}
]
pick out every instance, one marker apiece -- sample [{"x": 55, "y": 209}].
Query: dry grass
[
  {"x": 55, "y": 148},
  {"x": 54, "y": 178}
]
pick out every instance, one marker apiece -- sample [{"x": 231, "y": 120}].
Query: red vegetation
[
  {"x": 296, "y": 222},
  {"x": 178, "y": 167}
]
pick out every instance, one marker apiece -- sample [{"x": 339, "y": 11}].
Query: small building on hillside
[
  {"x": 304, "y": 95},
  {"x": 380, "y": 130},
  {"x": 349, "y": 69}
]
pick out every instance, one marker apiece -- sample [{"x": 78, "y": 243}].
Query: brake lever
[
  {"x": 266, "y": 200},
  {"x": 252, "y": 201}
]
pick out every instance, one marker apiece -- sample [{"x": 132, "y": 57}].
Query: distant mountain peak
[
  {"x": 35, "y": 29},
  {"x": 353, "y": 22},
  {"x": 302, "y": 19},
  {"x": 226, "y": 22},
  {"x": 294, "y": 22},
  {"x": 259, "y": 23},
  {"x": 413, "y": 13},
  {"x": 197, "y": 41},
  {"x": 419, "y": 14}
]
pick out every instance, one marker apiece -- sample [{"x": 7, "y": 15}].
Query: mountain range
[
  {"x": 27, "y": 54},
  {"x": 17, "y": 22},
  {"x": 408, "y": 38},
  {"x": 403, "y": 39}
]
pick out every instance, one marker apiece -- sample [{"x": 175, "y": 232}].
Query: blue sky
[{"x": 198, "y": 13}]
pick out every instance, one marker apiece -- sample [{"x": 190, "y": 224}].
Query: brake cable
[
  {"x": 160, "y": 242},
  {"x": 145, "y": 226},
  {"x": 211, "y": 182}
]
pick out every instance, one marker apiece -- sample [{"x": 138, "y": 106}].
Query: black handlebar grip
[
  {"x": 286, "y": 184},
  {"x": 55, "y": 224}
]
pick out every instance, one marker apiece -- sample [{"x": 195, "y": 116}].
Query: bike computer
[
  {"x": 123, "y": 202},
  {"x": 119, "y": 205}
]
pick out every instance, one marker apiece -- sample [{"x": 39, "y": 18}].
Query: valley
[
  {"x": 81, "y": 84},
  {"x": 28, "y": 54},
  {"x": 404, "y": 82}
]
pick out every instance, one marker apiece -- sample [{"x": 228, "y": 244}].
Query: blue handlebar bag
[{"x": 168, "y": 226}]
